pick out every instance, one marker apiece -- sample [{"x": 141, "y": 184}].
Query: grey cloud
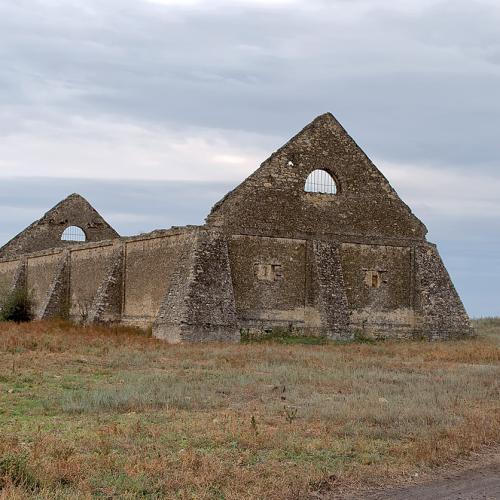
[
  {"x": 388, "y": 76},
  {"x": 131, "y": 207},
  {"x": 415, "y": 82}
]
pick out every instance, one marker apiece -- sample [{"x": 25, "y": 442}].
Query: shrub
[{"x": 16, "y": 306}]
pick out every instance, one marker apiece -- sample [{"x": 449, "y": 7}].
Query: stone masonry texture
[
  {"x": 46, "y": 232},
  {"x": 272, "y": 256}
]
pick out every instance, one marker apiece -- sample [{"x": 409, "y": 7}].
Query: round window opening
[
  {"x": 73, "y": 233},
  {"x": 320, "y": 181}
]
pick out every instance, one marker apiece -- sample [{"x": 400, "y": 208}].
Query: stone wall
[
  {"x": 107, "y": 304},
  {"x": 57, "y": 300},
  {"x": 149, "y": 265},
  {"x": 199, "y": 304},
  {"x": 41, "y": 273},
  {"x": 87, "y": 272},
  {"x": 379, "y": 287},
  {"x": 328, "y": 291},
  {"x": 123, "y": 280},
  {"x": 269, "y": 279},
  {"x": 7, "y": 274},
  {"x": 270, "y": 257},
  {"x": 278, "y": 234},
  {"x": 198, "y": 284}
]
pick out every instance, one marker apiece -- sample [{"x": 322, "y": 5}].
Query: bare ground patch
[{"x": 472, "y": 478}]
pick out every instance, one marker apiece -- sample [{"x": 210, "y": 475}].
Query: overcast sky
[{"x": 153, "y": 109}]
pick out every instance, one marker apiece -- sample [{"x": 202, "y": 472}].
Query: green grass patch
[{"x": 282, "y": 336}]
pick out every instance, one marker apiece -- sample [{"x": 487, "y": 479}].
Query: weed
[
  {"x": 83, "y": 308},
  {"x": 290, "y": 413},
  {"x": 253, "y": 423},
  {"x": 362, "y": 338}
]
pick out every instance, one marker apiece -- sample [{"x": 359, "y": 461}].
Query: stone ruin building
[{"x": 314, "y": 242}]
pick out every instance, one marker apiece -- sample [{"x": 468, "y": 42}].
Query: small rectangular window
[
  {"x": 268, "y": 272},
  {"x": 373, "y": 278}
]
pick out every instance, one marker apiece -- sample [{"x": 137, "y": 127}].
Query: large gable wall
[
  {"x": 272, "y": 226},
  {"x": 272, "y": 201}
]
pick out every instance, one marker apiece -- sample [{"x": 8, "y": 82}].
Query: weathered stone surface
[
  {"x": 46, "y": 232},
  {"x": 439, "y": 309},
  {"x": 329, "y": 290},
  {"x": 270, "y": 280},
  {"x": 150, "y": 263},
  {"x": 272, "y": 256},
  {"x": 106, "y": 306},
  {"x": 12, "y": 277},
  {"x": 42, "y": 271},
  {"x": 56, "y": 303},
  {"x": 199, "y": 304},
  {"x": 272, "y": 201}
]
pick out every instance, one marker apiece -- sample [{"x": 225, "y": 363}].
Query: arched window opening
[
  {"x": 320, "y": 181},
  {"x": 73, "y": 233}
]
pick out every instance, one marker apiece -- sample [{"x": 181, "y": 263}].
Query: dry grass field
[{"x": 111, "y": 413}]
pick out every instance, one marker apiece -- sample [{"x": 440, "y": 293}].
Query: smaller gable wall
[{"x": 46, "y": 232}]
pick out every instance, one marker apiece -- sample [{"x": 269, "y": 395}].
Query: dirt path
[
  {"x": 474, "y": 478},
  {"x": 475, "y": 484}
]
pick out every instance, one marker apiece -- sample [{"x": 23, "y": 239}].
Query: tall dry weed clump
[{"x": 60, "y": 335}]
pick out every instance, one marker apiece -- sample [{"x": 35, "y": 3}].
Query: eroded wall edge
[
  {"x": 107, "y": 304},
  {"x": 19, "y": 281},
  {"x": 440, "y": 312},
  {"x": 56, "y": 302}
]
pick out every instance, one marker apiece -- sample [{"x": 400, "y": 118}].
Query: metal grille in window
[
  {"x": 320, "y": 181},
  {"x": 73, "y": 233}
]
